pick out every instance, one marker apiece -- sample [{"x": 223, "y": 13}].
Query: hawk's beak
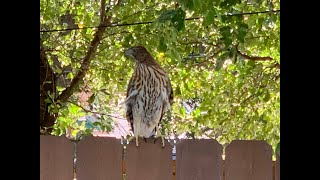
[{"x": 128, "y": 53}]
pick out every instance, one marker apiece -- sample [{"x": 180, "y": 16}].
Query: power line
[{"x": 149, "y": 22}]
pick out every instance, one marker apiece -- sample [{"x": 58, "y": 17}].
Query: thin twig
[{"x": 94, "y": 112}]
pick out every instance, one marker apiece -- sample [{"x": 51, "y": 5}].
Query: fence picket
[
  {"x": 149, "y": 161},
  {"x": 56, "y": 158},
  {"x": 248, "y": 160},
  {"x": 99, "y": 158},
  {"x": 199, "y": 160}
]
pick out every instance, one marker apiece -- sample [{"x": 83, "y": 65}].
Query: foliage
[{"x": 222, "y": 57}]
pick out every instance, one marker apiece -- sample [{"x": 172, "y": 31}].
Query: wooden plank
[
  {"x": 56, "y": 157},
  {"x": 199, "y": 160},
  {"x": 248, "y": 160},
  {"x": 99, "y": 158},
  {"x": 149, "y": 161},
  {"x": 277, "y": 168}
]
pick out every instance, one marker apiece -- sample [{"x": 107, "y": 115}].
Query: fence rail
[{"x": 105, "y": 158}]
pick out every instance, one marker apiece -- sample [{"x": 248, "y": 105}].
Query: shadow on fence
[{"x": 105, "y": 158}]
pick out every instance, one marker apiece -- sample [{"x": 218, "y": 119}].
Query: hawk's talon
[{"x": 131, "y": 138}]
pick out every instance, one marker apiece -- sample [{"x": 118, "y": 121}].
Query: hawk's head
[{"x": 140, "y": 54}]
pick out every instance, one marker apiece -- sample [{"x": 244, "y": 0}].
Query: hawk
[{"x": 149, "y": 95}]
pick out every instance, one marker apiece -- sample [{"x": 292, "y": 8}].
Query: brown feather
[{"x": 145, "y": 86}]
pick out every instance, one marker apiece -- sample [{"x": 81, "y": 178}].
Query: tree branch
[
  {"x": 276, "y": 65},
  {"x": 253, "y": 58},
  {"x": 103, "y": 10},
  {"x": 105, "y": 22}
]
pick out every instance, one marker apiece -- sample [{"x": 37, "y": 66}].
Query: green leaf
[
  {"x": 186, "y": 87},
  {"x": 92, "y": 98},
  {"x": 227, "y": 36},
  {"x": 178, "y": 91},
  {"x": 252, "y": 64},
  {"x": 127, "y": 40},
  {"x": 278, "y": 148},
  {"x": 162, "y": 47},
  {"x": 182, "y": 111},
  {"x": 242, "y": 32},
  {"x": 48, "y": 100},
  {"x": 70, "y": 75},
  {"x": 258, "y": 2},
  {"x": 225, "y": 30},
  {"x": 58, "y": 70},
  {"x": 97, "y": 123},
  {"x": 60, "y": 88},
  {"x": 74, "y": 109},
  {"x": 197, "y": 5},
  {"x": 209, "y": 18},
  {"x": 175, "y": 16},
  {"x": 187, "y": 4},
  {"x": 74, "y": 133},
  {"x": 178, "y": 19},
  {"x": 219, "y": 63},
  {"x": 108, "y": 128},
  {"x": 241, "y": 37},
  {"x": 174, "y": 55},
  {"x": 266, "y": 97},
  {"x": 243, "y": 27},
  {"x": 166, "y": 15},
  {"x": 197, "y": 112},
  {"x": 232, "y": 52},
  {"x": 227, "y": 41},
  {"x": 224, "y": 4},
  {"x": 55, "y": 109},
  {"x": 229, "y": 3}
]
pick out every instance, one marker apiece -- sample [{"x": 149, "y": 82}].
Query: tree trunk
[
  {"x": 48, "y": 79},
  {"x": 47, "y": 84}
]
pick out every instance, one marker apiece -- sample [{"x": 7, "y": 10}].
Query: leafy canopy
[{"x": 222, "y": 57}]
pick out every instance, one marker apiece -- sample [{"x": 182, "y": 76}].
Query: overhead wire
[{"x": 150, "y": 22}]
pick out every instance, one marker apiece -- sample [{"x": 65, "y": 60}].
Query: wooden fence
[{"x": 103, "y": 158}]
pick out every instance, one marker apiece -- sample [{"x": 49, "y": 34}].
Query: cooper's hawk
[{"x": 149, "y": 95}]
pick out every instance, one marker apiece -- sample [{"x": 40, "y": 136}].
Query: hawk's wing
[
  {"x": 131, "y": 94},
  {"x": 169, "y": 100},
  {"x": 170, "y": 92}
]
